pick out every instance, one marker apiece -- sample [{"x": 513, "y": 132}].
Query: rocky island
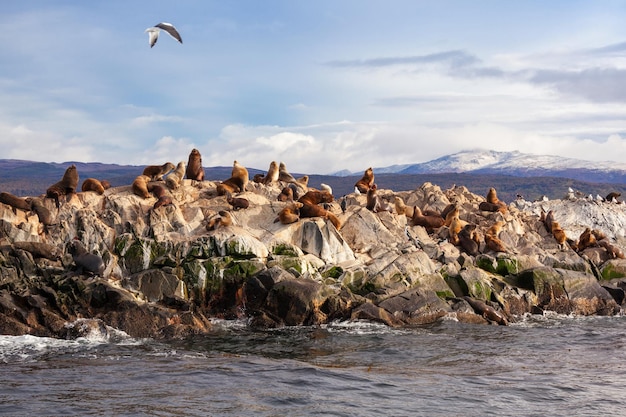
[{"x": 164, "y": 261}]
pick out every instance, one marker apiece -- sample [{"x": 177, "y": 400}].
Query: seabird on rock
[{"x": 153, "y": 32}]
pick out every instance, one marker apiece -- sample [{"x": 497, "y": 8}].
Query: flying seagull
[{"x": 168, "y": 27}]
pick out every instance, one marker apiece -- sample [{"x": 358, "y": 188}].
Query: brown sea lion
[
  {"x": 164, "y": 200},
  {"x": 314, "y": 197},
  {"x": 240, "y": 175},
  {"x": 402, "y": 208},
  {"x": 85, "y": 261},
  {"x": 223, "y": 220},
  {"x": 66, "y": 187},
  {"x": 15, "y": 202},
  {"x": 586, "y": 240},
  {"x": 140, "y": 186},
  {"x": 289, "y": 214},
  {"x": 611, "y": 196},
  {"x": 237, "y": 202},
  {"x": 487, "y": 206},
  {"x": 485, "y": 310},
  {"x": 286, "y": 194},
  {"x": 559, "y": 234},
  {"x": 228, "y": 186},
  {"x": 43, "y": 214},
  {"x": 374, "y": 202},
  {"x": 456, "y": 224},
  {"x": 451, "y": 211},
  {"x": 258, "y": 178},
  {"x": 283, "y": 174},
  {"x": 612, "y": 250},
  {"x": 303, "y": 181},
  {"x": 366, "y": 181},
  {"x": 548, "y": 220},
  {"x": 174, "y": 179},
  {"x": 194, "y": 166},
  {"x": 492, "y": 197},
  {"x": 272, "y": 174},
  {"x": 313, "y": 210},
  {"x": 430, "y": 222},
  {"x": 467, "y": 239},
  {"x": 92, "y": 184},
  {"x": 156, "y": 172},
  {"x": 492, "y": 241}
]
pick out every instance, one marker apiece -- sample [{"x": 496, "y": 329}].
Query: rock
[{"x": 165, "y": 274}]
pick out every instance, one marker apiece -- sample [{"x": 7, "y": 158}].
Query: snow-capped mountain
[
  {"x": 515, "y": 164},
  {"x": 491, "y": 161}
]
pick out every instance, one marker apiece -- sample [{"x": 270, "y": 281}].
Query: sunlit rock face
[{"x": 170, "y": 268}]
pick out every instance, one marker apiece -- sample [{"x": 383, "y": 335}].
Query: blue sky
[{"x": 320, "y": 85}]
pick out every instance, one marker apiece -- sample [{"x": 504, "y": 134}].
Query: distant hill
[
  {"x": 514, "y": 164},
  {"x": 510, "y": 173}
]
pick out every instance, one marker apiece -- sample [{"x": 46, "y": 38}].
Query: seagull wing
[
  {"x": 153, "y": 34},
  {"x": 169, "y": 28}
]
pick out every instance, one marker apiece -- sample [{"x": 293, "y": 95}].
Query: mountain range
[
  {"x": 511, "y": 173},
  {"x": 516, "y": 164}
]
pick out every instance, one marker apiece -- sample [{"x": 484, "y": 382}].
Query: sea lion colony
[{"x": 302, "y": 201}]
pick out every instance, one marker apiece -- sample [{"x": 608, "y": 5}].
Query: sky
[{"x": 322, "y": 85}]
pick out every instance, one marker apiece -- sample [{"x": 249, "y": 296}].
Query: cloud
[{"x": 595, "y": 84}]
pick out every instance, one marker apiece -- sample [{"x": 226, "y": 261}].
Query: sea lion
[
  {"x": 467, "y": 239},
  {"x": 237, "y": 181},
  {"x": 156, "y": 172},
  {"x": 313, "y": 210},
  {"x": 223, "y": 220},
  {"x": 43, "y": 214},
  {"x": 286, "y": 194},
  {"x": 485, "y": 310},
  {"x": 283, "y": 174},
  {"x": 492, "y": 241},
  {"x": 105, "y": 184},
  {"x": 92, "y": 184},
  {"x": 612, "y": 196},
  {"x": 402, "y": 208},
  {"x": 85, "y": 261},
  {"x": 272, "y": 174},
  {"x": 451, "y": 211},
  {"x": 66, "y": 187},
  {"x": 240, "y": 175},
  {"x": 175, "y": 177},
  {"x": 314, "y": 197},
  {"x": 559, "y": 234},
  {"x": 15, "y": 202},
  {"x": 163, "y": 198},
  {"x": 586, "y": 240},
  {"x": 613, "y": 251},
  {"x": 194, "y": 166},
  {"x": 492, "y": 197},
  {"x": 303, "y": 181},
  {"x": 366, "y": 181},
  {"x": 374, "y": 202},
  {"x": 456, "y": 224},
  {"x": 258, "y": 178},
  {"x": 487, "y": 206},
  {"x": 548, "y": 220},
  {"x": 237, "y": 202},
  {"x": 140, "y": 186},
  {"x": 430, "y": 222},
  {"x": 289, "y": 214}
]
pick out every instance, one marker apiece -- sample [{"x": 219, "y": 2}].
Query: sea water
[{"x": 541, "y": 366}]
